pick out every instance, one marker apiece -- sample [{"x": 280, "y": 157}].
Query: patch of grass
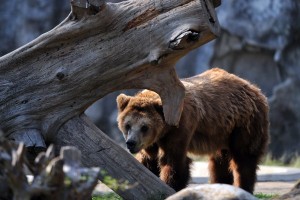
[
  {"x": 268, "y": 160},
  {"x": 265, "y": 196},
  {"x": 112, "y": 183},
  {"x": 198, "y": 158},
  {"x": 296, "y": 162},
  {"x": 108, "y": 196}
]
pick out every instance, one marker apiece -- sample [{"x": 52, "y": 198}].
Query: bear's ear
[
  {"x": 122, "y": 101},
  {"x": 158, "y": 107}
]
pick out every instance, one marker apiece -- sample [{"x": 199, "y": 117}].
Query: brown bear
[{"x": 224, "y": 116}]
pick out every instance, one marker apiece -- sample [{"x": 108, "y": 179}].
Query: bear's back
[{"x": 221, "y": 102}]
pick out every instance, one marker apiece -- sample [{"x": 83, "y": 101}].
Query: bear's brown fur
[{"x": 224, "y": 117}]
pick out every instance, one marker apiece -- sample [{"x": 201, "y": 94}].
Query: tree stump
[{"x": 62, "y": 177}]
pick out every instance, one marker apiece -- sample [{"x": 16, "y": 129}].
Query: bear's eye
[
  {"x": 144, "y": 128},
  {"x": 127, "y": 127}
]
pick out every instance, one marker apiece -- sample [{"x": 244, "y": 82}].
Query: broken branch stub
[
  {"x": 53, "y": 178},
  {"x": 96, "y": 3},
  {"x": 87, "y": 3},
  {"x": 216, "y": 3},
  {"x": 81, "y": 8}
]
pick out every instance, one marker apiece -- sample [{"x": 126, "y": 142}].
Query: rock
[
  {"x": 196, "y": 61},
  {"x": 261, "y": 42},
  {"x": 104, "y": 114},
  {"x": 8, "y": 26},
  {"x": 248, "y": 62},
  {"x": 23, "y": 21},
  {"x": 285, "y": 119},
  {"x": 212, "y": 191},
  {"x": 268, "y": 23},
  {"x": 288, "y": 60}
]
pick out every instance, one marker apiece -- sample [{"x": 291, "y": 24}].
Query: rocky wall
[{"x": 261, "y": 42}]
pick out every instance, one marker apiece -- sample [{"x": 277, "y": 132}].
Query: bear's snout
[{"x": 131, "y": 145}]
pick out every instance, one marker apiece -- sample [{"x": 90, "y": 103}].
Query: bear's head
[{"x": 140, "y": 119}]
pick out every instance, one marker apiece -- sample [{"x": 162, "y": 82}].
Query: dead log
[
  {"x": 100, "y": 48},
  {"x": 98, "y": 150},
  {"x": 53, "y": 178}
]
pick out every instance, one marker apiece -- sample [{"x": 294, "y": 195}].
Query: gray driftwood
[
  {"x": 62, "y": 177},
  {"x": 100, "y": 48}
]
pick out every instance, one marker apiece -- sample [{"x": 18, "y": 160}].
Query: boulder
[
  {"x": 8, "y": 26},
  {"x": 212, "y": 191},
  {"x": 261, "y": 42},
  {"x": 196, "y": 61},
  {"x": 285, "y": 120},
  {"x": 249, "y": 62},
  {"x": 263, "y": 23},
  {"x": 23, "y": 21},
  {"x": 288, "y": 60}
]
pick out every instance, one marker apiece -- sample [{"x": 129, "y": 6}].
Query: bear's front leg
[
  {"x": 175, "y": 168},
  {"x": 149, "y": 158}
]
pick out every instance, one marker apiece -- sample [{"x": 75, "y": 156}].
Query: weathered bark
[
  {"x": 100, "y": 48},
  {"x": 53, "y": 178},
  {"x": 132, "y": 44}
]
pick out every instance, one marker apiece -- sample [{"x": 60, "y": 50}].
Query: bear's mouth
[{"x": 134, "y": 149}]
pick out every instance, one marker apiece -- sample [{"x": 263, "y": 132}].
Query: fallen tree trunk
[
  {"x": 100, "y": 48},
  {"x": 98, "y": 150}
]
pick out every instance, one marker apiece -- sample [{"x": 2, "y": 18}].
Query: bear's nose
[{"x": 131, "y": 144}]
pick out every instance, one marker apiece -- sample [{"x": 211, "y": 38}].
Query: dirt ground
[{"x": 270, "y": 180}]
